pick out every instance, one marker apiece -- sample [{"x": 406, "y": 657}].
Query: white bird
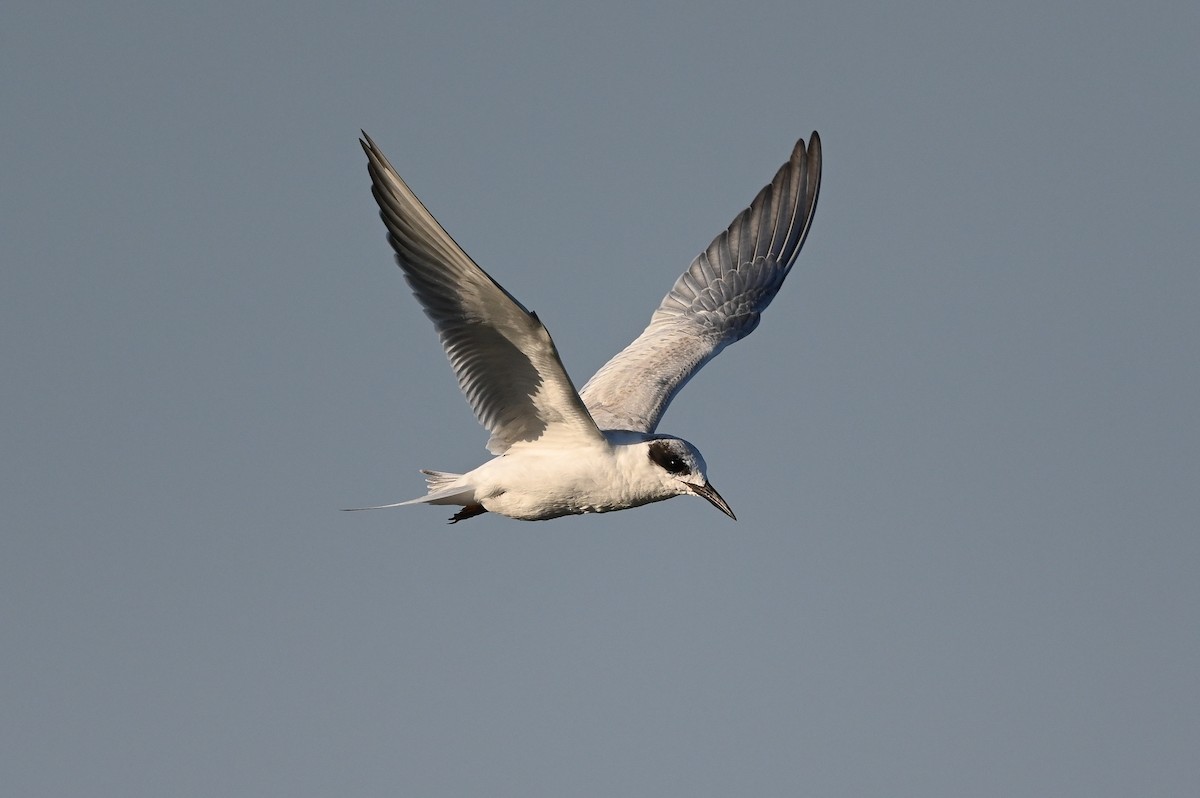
[{"x": 560, "y": 451}]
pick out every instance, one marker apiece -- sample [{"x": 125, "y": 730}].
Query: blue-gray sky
[{"x": 963, "y": 446}]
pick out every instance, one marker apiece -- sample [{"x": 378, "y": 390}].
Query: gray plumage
[
  {"x": 717, "y": 301},
  {"x": 506, "y": 363}
]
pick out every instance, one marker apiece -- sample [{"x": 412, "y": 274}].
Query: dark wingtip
[{"x": 812, "y": 148}]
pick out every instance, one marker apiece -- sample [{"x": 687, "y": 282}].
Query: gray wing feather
[
  {"x": 504, "y": 358},
  {"x": 718, "y": 300}
]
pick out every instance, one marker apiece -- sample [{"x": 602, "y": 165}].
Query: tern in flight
[{"x": 559, "y": 451}]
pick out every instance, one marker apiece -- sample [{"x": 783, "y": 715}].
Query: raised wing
[
  {"x": 506, "y": 363},
  {"x": 717, "y": 301}
]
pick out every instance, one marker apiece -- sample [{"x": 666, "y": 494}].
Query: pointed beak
[{"x": 707, "y": 491}]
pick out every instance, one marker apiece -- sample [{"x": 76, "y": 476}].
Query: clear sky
[{"x": 963, "y": 446}]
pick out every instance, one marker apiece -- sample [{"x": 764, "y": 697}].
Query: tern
[{"x": 559, "y": 451}]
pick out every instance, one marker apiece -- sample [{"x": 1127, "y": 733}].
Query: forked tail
[{"x": 443, "y": 488}]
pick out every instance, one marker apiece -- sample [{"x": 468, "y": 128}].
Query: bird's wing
[
  {"x": 717, "y": 301},
  {"x": 506, "y": 363}
]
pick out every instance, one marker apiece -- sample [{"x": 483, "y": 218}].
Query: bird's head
[{"x": 680, "y": 469}]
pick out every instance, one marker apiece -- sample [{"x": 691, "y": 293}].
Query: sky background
[{"x": 963, "y": 446}]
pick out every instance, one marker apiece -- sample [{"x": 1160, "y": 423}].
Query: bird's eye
[{"x": 668, "y": 460}]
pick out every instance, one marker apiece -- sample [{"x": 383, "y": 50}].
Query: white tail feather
[
  {"x": 443, "y": 488},
  {"x": 438, "y": 480}
]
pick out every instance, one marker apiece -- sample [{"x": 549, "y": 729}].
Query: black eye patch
[{"x": 662, "y": 455}]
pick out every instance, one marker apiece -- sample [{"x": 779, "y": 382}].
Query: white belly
[{"x": 535, "y": 484}]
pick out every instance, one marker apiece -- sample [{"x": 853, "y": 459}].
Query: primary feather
[
  {"x": 717, "y": 301},
  {"x": 505, "y": 361}
]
